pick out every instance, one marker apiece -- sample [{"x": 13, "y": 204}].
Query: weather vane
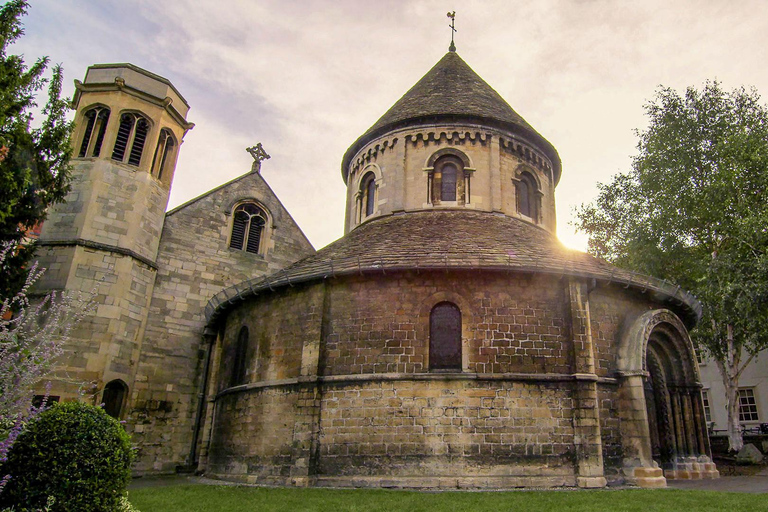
[
  {"x": 452, "y": 15},
  {"x": 259, "y": 155}
]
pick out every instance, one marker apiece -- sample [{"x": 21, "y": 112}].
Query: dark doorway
[
  {"x": 657, "y": 403},
  {"x": 113, "y": 397}
]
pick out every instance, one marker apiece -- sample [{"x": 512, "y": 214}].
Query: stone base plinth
[
  {"x": 650, "y": 478},
  {"x": 702, "y": 468},
  {"x": 593, "y": 482}
]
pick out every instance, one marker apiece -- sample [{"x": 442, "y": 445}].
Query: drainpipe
[{"x": 209, "y": 335}]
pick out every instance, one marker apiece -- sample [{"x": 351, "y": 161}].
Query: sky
[{"x": 306, "y": 78}]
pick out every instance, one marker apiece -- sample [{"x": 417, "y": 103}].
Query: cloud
[{"x": 307, "y": 78}]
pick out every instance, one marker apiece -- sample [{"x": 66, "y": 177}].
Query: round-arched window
[
  {"x": 445, "y": 337},
  {"x": 368, "y": 190},
  {"x": 527, "y": 200},
  {"x": 447, "y": 175}
]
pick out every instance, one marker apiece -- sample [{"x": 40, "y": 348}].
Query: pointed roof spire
[
  {"x": 452, "y": 15},
  {"x": 451, "y": 91}
]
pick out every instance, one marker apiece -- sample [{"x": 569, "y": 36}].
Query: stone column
[
  {"x": 494, "y": 159},
  {"x": 677, "y": 423},
  {"x": 639, "y": 467},
  {"x": 689, "y": 423},
  {"x": 586, "y": 412},
  {"x": 702, "y": 436},
  {"x": 306, "y": 427}
]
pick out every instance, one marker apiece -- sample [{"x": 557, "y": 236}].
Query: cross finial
[
  {"x": 452, "y": 15},
  {"x": 259, "y": 155}
]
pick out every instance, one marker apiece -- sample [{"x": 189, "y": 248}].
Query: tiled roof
[
  {"x": 452, "y": 91},
  {"x": 452, "y": 239}
]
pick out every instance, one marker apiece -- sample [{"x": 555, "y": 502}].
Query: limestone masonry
[{"x": 447, "y": 340}]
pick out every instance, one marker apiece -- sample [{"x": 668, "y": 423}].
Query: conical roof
[
  {"x": 479, "y": 241},
  {"x": 452, "y": 91}
]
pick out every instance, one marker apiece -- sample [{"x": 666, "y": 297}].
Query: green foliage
[
  {"x": 73, "y": 452},
  {"x": 34, "y": 161},
  {"x": 693, "y": 210}
]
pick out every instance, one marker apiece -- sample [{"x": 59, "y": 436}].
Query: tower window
[
  {"x": 368, "y": 191},
  {"x": 95, "y": 128},
  {"x": 237, "y": 376},
  {"x": 113, "y": 397},
  {"x": 163, "y": 152},
  {"x": 247, "y": 228},
  {"x": 448, "y": 180},
  {"x": 527, "y": 198},
  {"x": 131, "y": 136},
  {"x": 445, "y": 337}
]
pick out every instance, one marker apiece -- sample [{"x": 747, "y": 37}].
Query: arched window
[
  {"x": 445, "y": 337},
  {"x": 131, "y": 135},
  {"x": 95, "y": 128},
  {"x": 527, "y": 199},
  {"x": 447, "y": 176},
  {"x": 368, "y": 191},
  {"x": 163, "y": 153},
  {"x": 113, "y": 397},
  {"x": 248, "y": 228},
  {"x": 239, "y": 360}
]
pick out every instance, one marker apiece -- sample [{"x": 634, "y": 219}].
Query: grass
[{"x": 199, "y": 498}]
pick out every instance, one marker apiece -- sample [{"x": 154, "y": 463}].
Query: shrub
[{"x": 73, "y": 452}]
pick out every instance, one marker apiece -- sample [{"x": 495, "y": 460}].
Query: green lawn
[{"x": 194, "y": 498}]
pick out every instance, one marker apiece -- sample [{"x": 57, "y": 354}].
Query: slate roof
[
  {"x": 452, "y": 239},
  {"x": 452, "y": 91}
]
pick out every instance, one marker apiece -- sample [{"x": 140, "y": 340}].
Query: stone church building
[{"x": 446, "y": 340}]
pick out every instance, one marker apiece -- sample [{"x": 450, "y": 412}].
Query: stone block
[{"x": 749, "y": 454}]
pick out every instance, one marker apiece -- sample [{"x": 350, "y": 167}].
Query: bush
[{"x": 73, "y": 452}]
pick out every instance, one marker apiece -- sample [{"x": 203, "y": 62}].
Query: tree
[
  {"x": 693, "y": 210},
  {"x": 31, "y": 338},
  {"x": 34, "y": 161}
]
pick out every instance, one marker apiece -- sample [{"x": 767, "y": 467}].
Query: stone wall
[
  {"x": 446, "y": 433},
  {"x": 103, "y": 239},
  {"x": 344, "y": 365},
  {"x": 399, "y": 160},
  {"x": 253, "y": 435},
  {"x": 610, "y": 307},
  {"x": 195, "y": 262},
  {"x": 512, "y": 323}
]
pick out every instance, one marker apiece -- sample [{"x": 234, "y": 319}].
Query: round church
[{"x": 448, "y": 339}]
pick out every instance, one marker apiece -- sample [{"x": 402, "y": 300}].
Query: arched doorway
[
  {"x": 658, "y": 405},
  {"x": 113, "y": 397},
  {"x": 673, "y": 397},
  {"x": 662, "y": 414}
]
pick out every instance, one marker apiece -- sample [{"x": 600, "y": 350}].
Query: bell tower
[{"x": 130, "y": 124}]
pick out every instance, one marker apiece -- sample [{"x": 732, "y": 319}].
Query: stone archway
[
  {"x": 658, "y": 382},
  {"x": 663, "y": 423}
]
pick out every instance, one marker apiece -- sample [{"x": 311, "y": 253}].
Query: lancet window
[
  {"x": 131, "y": 136},
  {"x": 163, "y": 153},
  {"x": 239, "y": 360},
  {"x": 248, "y": 227},
  {"x": 95, "y": 127}
]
